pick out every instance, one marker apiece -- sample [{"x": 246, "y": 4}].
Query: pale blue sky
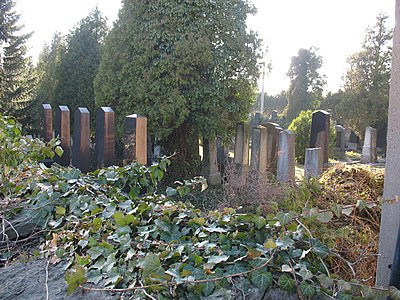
[{"x": 335, "y": 27}]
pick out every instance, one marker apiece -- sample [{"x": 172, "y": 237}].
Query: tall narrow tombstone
[
  {"x": 369, "y": 153},
  {"x": 105, "y": 137},
  {"x": 313, "y": 165},
  {"x": 257, "y": 119},
  {"x": 210, "y": 165},
  {"x": 135, "y": 148},
  {"x": 274, "y": 116},
  {"x": 81, "y": 140},
  {"x": 340, "y": 143},
  {"x": 286, "y": 156},
  {"x": 242, "y": 149},
  {"x": 221, "y": 155},
  {"x": 258, "y": 160},
  {"x": 47, "y": 122},
  {"x": 63, "y": 131},
  {"x": 320, "y": 133},
  {"x": 390, "y": 216},
  {"x": 273, "y": 131}
]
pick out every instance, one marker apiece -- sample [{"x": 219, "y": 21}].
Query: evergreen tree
[
  {"x": 189, "y": 66},
  {"x": 365, "y": 96},
  {"x": 17, "y": 76},
  {"x": 77, "y": 64},
  {"x": 306, "y": 84}
]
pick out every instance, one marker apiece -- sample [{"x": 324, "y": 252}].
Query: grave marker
[
  {"x": 47, "y": 122},
  {"x": 320, "y": 133},
  {"x": 63, "y": 131},
  {"x": 313, "y": 165},
  {"x": 369, "y": 153},
  {"x": 242, "y": 149},
  {"x": 105, "y": 137},
  {"x": 135, "y": 148},
  {"x": 210, "y": 165},
  {"x": 286, "y": 156},
  {"x": 259, "y": 149},
  {"x": 81, "y": 140},
  {"x": 273, "y": 131}
]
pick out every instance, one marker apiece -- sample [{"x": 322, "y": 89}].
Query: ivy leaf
[
  {"x": 318, "y": 248},
  {"x": 306, "y": 274},
  {"x": 170, "y": 192},
  {"x": 59, "y": 151},
  {"x": 307, "y": 290},
  {"x": 347, "y": 211},
  {"x": 150, "y": 265},
  {"x": 74, "y": 279},
  {"x": 285, "y": 218},
  {"x": 82, "y": 260},
  {"x": 361, "y": 204},
  {"x": 270, "y": 244},
  {"x": 344, "y": 285},
  {"x": 325, "y": 217},
  {"x": 369, "y": 293},
  {"x": 286, "y": 268},
  {"x": 337, "y": 210},
  {"x": 208, "y": 288},
  {"x": 60, "y": 211},
  {"x": 343, "y": 296},
  {"x": 259, "y": 222},
  {"x": 394, "y": 293},
  {"x": 217, "y": 259},
  {"x": 325, "y": 281},
  {"x": 286, "y": 283},
  {"x": 119, "y": 218},
  {"x": 261, "y": 279}
]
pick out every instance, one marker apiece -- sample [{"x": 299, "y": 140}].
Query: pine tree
[{"x": 17, "y": 75}]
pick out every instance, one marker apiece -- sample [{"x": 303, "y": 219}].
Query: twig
[
  {"x": 47, "y": 278},
  {"x": 147, "y": 294},
  {"x": 345, "y": 260},
  {"x": 186, "y": 281}
]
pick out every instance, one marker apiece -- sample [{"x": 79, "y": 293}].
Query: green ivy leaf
[
  {"x": 285, "y": 218},
  {"x": 74, "y": 279},
  {"x": 150, "y": 265},
  {"x": 217, "y": 259},
  {"x": 307, "y": 290},
  {"x": 119, "y": 218},
  {"x": 208, "y": 288},
  {"x": 325, "y": 217},
  {"x": 286, "y": 283},
  {"x": 325, "y": 281},
  {"x": 261, "y": 279},
  {"x": 394, "y": 293},
  {"x": 60, "y": 211},
  {"x": 59, "y": 151},
  {"x": 318, "y": 248}
]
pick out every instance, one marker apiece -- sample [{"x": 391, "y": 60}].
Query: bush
[{"x": 301, "y": 126}]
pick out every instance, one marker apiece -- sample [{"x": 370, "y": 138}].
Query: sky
[{"x": 335, "y": 27}]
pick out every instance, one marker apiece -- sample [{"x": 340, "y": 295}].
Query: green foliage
[
  {"x": 301, "y": 126},
  {"x": 17, "y": 150},
  {"x": 17, "y": 78},
  {"x": 306, "y": 84},
  {"x": 364, "y": 99},
  {"x": 190, "y": 67}
]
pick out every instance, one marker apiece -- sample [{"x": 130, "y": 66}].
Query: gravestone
[
  {"x": 135, "y": 147},
  {"x": 241, "y": 150},
  {"x": 369, "y": 154},
  {"x": 313, "y": 165},
  {"x": 286, "y": 156},
  {"x": 63, "y": 131},
  {"x": 257, "y": 119},
  {"x": 273, "y": 131},
  {"x": 258, "y": 160},
  {"x": 105, "y": 137},
  {"x": 340, "y": 143},
  {"x": 47, "y": 122},
  {"x": 390, "y": 215},
  {"x": 320, "y": 133},
  {"x": 81, "y": 140},
  {"x": 352, "y": 140},
  {"x": 274, "y": 116},
  {"x": 221, "y": 155},
  {"x": 210, "y": 165}
]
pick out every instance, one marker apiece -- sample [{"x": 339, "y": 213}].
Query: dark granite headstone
[
  {"x": 135, "y": 148},
  {"x": 63, "y": 131},
  {"x": 320, "y": 133},
  {"x": 81, "y": 140},
  {"x": 47, "y": 122},
  {"x": 105, "y": 137},
  {"x": 257, "y": 119},
  {"x": 274, "y": 116},
  {"x": 221, "y": 155}
]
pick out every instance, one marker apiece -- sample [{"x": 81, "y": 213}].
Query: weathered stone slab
[
  {"x": 313, "y": 165},
  {"x": 242, "y": 149},
  {"x": 320, "y": 133},
  {"x": 258, "y": 160},
  {"x": 135, "y": 148},
  {"x": 63, "y": 131},
  {"x": 210, "y": 165},
  {"x": 81, "y": 140},
  {"x": 273, "y": 131},
  {"x": 105, "y": 137},
  {"x": 369, "y": 153},
  {"x": 286, "y": 156}
]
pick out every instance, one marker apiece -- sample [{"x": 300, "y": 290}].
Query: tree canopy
[
  {"x": 364, "y": 99},
  {"x": 306, "y": 83},
  {"x": 189, "y": 66},
  {"x": 16, "y": 71}
]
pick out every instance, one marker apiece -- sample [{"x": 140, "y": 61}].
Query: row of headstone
[{"x": 135, "y": 140}]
